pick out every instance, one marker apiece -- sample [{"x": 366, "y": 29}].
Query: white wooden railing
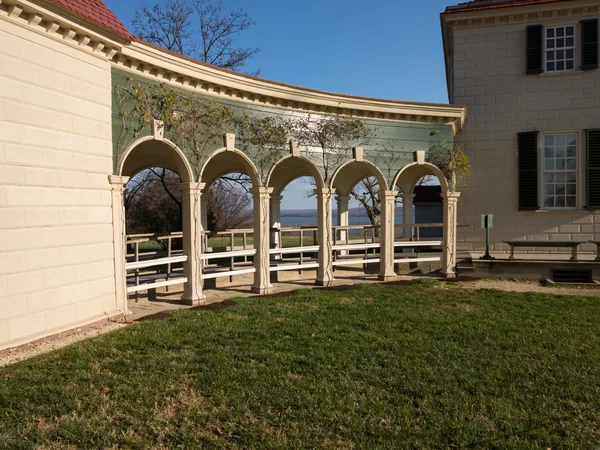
[
  {"x": 145, "y": 268},
  {"x": 295, "y": 257},
  {"x": 213, "y": 256}
]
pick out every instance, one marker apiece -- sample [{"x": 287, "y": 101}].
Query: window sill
[
  {"x": 563, "y": 211},
  {"x": 564, "y": 73}
]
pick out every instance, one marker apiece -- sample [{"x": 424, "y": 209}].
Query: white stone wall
[
  {"x": 489, "y": 77},
  {"x": 56, "y": 250}
]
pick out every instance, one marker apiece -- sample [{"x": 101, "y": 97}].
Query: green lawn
[{"x": 427, "y": 366}]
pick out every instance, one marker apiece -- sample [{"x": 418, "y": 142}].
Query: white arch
[
  {"x": 184, "y": 168},
  {"x": 409, "y": 175},
  {"x": 371, "y": 167},
  {"x": 246, "y": 162},
  {"x": 312, "y": 169}
]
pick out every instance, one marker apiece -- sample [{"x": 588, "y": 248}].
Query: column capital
[
  {"x": 324, "y": 191},
  {"x": 342, "y": 198},
  {"x": 277, "y": 198},
  {"x": 388, "y": 194},
  {"x": 117, "y": 180},
  {"x": 407, "y": 196},
  {"x": 261, "y": 191},
  {"x": 192, "y": 186},
  {"x": 450, "y": 195}
]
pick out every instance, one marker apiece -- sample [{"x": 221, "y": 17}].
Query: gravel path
[
  {"x": 29, "y": 351},
  {"x": 530, "y": 286}
]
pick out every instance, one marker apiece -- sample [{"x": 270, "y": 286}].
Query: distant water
[{"x": 293, "y": 221}]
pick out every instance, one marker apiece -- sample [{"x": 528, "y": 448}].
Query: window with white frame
[
  {"x": 560, "y": 49},
  {"x": 559, "y": 170}
]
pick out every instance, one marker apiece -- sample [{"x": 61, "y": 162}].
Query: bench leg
[
  {"x": 512, "y": 252},
  {"x": 574, "y": 254}
]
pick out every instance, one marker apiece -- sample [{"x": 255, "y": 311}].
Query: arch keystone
[
  {"x": 158, "y": 129},
  {"x": 229, "y": 141},
  {"x": 419, "y": 156},
  {"x": 294, "y": 148},
  {"x": 358, "y": 153}
]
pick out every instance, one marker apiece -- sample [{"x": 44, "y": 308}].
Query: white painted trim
[
  {"x": 207, "y": 256},
  {"x": 157, "y": 284},
  {"x": 287, "y": 250},
  {"x": 155, "y": 262},
  {"x": 229, "y": 273},
  {"x": 283, "y": 267}
]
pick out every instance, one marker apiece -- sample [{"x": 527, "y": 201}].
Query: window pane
[
  {"x": 560, "y": 152},
  {"x": 571, "y": 189},
  {"x": 550, "y": 56},
  {"x": 550, "y": 44},
  {"x": 571, "y": 201},
  {"x": 549, "y": 202},
  {"x": 549, "y": 189},
  {"x": 570, "y": 177},
  {"x": 549, "y": 164},
  {"x": 559, "y": 202},
  {"x": 559, "y": 177},
  {"x": 550, "y": 32},
  {"x": 548, "y": 152},
  {"x": 571, "y": 164},
  {"x": 569, "y": 54},
  {"x": 560, "y": 43},
  {"x": 570, "y": 31},
  {"x": 561, "y": 164},
  {"x": 569, "y": 65},
  {"x": 560, "y": 65},
  {"x": 560, "y": 32},
  {"x": 559, "y": 189},
  {"x": 571, "y": 139},
  {"x": 549, "y": 141},
  {"x": 560, "y": 140},
  {"x": 548, "y": 178}
]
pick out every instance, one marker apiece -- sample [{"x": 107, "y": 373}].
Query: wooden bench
[
  {"x": 567, "y": 244},
  {"x": 597, "y": 249}
]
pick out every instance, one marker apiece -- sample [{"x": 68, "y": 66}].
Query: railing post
[
  {"x": 261, "y": 197},
  {"x": 325, "y": 239},
  {"x": 275, "y": 213},
  {"x": 386, "y": 236},
  {"x": 119, "y": 250},
  {"x": 342, "y": 220},
  {"x": 191, "y": 196},
  {"x": 450, "y": 209}
]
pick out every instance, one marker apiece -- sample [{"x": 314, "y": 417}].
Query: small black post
[{"x": 486, "y": 222}]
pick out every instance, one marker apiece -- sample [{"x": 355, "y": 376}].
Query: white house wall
[
  {"x": 56, "y": 250},
  {"x": 489, "y": 78}
]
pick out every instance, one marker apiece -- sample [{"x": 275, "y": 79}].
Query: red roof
[
  {"x": 96, "y": 12},
  {"x": 477, "y": 5}
]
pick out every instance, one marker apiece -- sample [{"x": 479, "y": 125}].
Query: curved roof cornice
[
  {"x": 157, "y": 63},
  {"x": 154, "y": 62}
]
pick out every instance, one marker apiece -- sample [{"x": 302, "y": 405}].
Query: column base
[
  {"x": 193, "y": 301},
  {"x": 449, "y": 275},
  {"x": 262, "y": 290},
  {"x": 325, "y": 283},
  {"x": 387, "y": 277}
]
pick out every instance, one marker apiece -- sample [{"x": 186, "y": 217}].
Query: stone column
[
  {"x": 275, "y": 222},
  {"x": 261, "y": 197},
  {"x": 191, "y": 198},
  {"x": 342, "y": 219},
  {"x": 324, "y": 236},
  {"x": 450, "y": 208},
  {"x": 117, "y": 186},
  {"x": 388, "y": 209},
  {"x": 407, "y": 214}
]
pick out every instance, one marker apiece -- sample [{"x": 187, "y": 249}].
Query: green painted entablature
[{"x": 388, "y": 134}]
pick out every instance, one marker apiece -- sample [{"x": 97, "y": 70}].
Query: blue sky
[{"x": 389, "y": 49}]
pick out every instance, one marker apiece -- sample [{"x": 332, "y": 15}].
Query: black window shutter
[
  {"x": 593, "y": 169},
  {"x": 528, "y": 171},
  {"x": 589, "y": 44},
  {"x": 535, "y": 49}
]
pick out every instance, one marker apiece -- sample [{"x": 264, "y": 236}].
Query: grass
[{"x": 428, "y": 365}]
